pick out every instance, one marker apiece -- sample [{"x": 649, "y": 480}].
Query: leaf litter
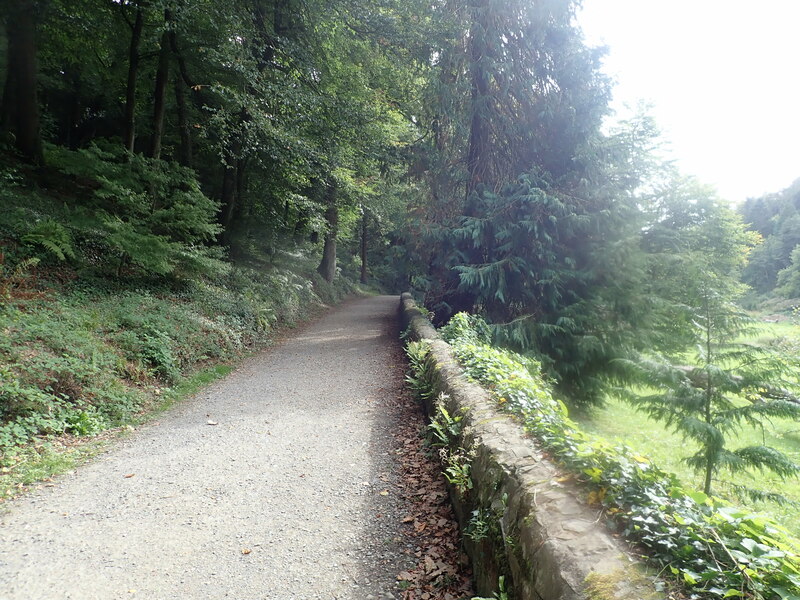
[{"x": 441, "y": 570}]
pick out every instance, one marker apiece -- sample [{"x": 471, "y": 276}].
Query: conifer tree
[
  {"x": 731, "y": 384},
  {"x": 696, "y": 250}
]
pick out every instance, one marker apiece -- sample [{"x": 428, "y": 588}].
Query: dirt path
[{"x": 276, "y": 482}]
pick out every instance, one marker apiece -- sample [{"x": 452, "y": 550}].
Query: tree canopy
[{"x": 457, "y": 148}]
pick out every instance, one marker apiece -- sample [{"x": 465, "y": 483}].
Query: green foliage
[
  {"x": 458, "y": 465},
  {"x": 534, "y": 220},
  {"x": 694, "y": 247},
  {"x": 264, "y": 101},
  {"x": 444, "y": 432},
  {"x": 789, "y": 278},
  {"x": 554, "y": 263},
  {"x": 500, "y": 594},
  {"x": 699, "y": 248},
  {"x": 714, "y": 549},
  {"x": 444, "y": 429},
  {"x": 517, "y": 379},
  {"x": 51, "y": 236},
  {"x": 708, "y": 404},
  {"x": 418, "y": 376},
  {"x": 11, "y": 278},
  {"x": 144, "y": 212},
  {"x": 775, "y": 217},
  {"x": 479, "y": 525},
  {"x": 99, "y": 353}
]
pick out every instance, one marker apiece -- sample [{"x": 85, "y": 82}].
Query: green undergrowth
[
  {"x": 46, "y": 456},
  {"x": 707, "y": 545},
  {"x": 84, "y": 356}
]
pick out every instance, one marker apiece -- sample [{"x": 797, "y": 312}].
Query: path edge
[{"x": 549, "y": 541}]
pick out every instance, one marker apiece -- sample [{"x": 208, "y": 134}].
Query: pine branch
[{"x": 698, "y": 378}]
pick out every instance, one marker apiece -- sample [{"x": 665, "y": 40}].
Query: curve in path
[{"x": 266, "y": 485}]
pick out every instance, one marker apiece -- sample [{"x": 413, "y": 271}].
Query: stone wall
[{"x": 539, "y": 533}]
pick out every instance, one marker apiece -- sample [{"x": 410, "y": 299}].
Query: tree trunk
[
  {"x": 20, "y": 100},
  {"x": 363, "y": 245},
  {"x": 133, "y": 71},
  {"x": 228, "y": 197},
  {"x": 185, "y": 155},
  {"x": 327, "y": 268},
  {"x": 230, "y": 182},
  {"x": 70, "y": 127},
  {"x": 160, "y": 95},
  {"x": 478, "y": 153},
  {"x": 709, "y": 473},
  {"x": 241, "y": 185},
  {"x": 300, "y": 227},
  {"x": 182, "y": 81},
  {"x": 711, "y": 451}
]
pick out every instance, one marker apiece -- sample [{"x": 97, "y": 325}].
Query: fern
[
  {"x": 12, "y": 278},
  {"x": 53, "y": 237},
  {"x": 143, "y": 215}
]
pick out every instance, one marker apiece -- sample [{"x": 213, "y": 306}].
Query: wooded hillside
[{"x": 455, "y": 148}]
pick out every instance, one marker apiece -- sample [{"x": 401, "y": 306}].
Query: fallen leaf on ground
[{"x": 429, "y": 522}]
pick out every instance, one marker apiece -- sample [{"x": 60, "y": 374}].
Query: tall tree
[
  {"x": 698, "y": 248},
  {"x": 327, "y": 266},
  {"x": 20, "y": 110},
  {"x": 162, "y": 80},
  {"x": 777, "y": 218},
  {"x": 136, "y": 27}
]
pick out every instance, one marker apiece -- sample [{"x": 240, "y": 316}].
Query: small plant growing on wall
[
  {"x": 444, "y": 433},
  {"x": 500, "y": 594}
]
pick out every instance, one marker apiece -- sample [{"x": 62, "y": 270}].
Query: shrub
[{"x": 142, "y": 213}]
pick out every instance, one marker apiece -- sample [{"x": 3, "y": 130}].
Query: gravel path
[{"x": 276, "y": 482}]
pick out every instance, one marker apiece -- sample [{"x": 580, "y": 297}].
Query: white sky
[{"x": 724, "y": 79}]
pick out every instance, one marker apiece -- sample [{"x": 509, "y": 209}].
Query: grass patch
[
  {"x": 48, "y": 457},
  {"x": 39, "y": 462},
  {"x": 617, "y": 421},
  {"x": 189, "y": 386}
]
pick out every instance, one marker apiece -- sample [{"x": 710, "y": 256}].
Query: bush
[{"x": 131, "y": 214}]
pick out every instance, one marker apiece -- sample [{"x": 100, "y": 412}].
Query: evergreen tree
[
  {"x": 789, "y": 278},
  {"x": 727, "y": 387},
  {"x": 696, "y": 250},
  {"x": 777, "y": 218}
]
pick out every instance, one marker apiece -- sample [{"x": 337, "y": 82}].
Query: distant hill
[{"x": 777, "y": 218}]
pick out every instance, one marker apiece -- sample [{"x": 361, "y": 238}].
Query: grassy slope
[
  {"x": 617, "y": 420},
  {"x": 81, "y": 358}
]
